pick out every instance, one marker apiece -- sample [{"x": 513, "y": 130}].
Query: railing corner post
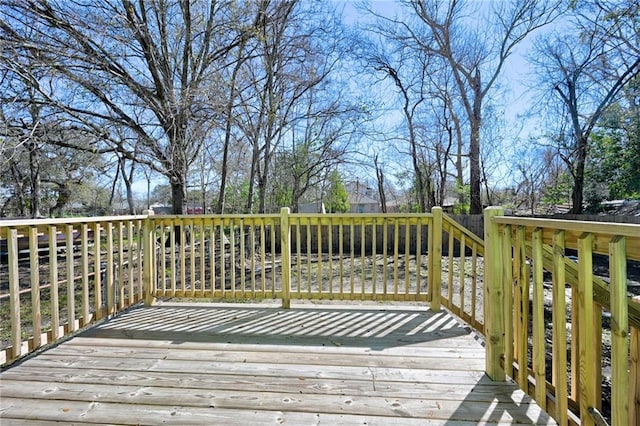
[
  {"x": 148, "y": 258},
  {"x": 435, "y": 259},
  {"x": 494, "y": 320},
  {"x": 285, "y": 249}
]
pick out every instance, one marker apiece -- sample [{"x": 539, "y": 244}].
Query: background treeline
[{"x": 246, "y": 106}]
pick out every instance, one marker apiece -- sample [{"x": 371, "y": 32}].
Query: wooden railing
[
  {"x": 59, "y": 275},
  {"x": 52, "y": 291},
  {"x": 318, "y": 256},
  {"x": 521, "y": 256},
  {"x": 462, "y": 271}
]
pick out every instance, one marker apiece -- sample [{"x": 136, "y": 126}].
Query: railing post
[
  {"x": 285, "y": 249},
  {"x": 148, "y": 259},
  {"x": 493, "y": 295},
  {"x": 435, "y": 259}
]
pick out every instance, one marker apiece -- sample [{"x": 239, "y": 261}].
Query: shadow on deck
[{"x": 221, "y": 364}]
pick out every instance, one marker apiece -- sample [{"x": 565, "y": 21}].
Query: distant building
[
  {"x": 362, "y": 198},
  {"x": 160, "y": 209},
  {"x": 313, "y": 207}
]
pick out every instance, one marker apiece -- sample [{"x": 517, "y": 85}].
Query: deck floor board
[{"x": 255, "y": 365}]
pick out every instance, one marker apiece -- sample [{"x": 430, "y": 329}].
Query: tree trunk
[
  {"x": 34, "y": 168},
  {"x": 64, "y": 195},
  {"x": 178, "y": 195},
  {"x": 380, "y": 180},
  {"x": 420, "y": 186},
  {"x": 19, "y": 194},
  {"x": 127, "y": 184},
  {"x": 474, "y": 152},
  {"x": 252, "y": 177},
  {"x": 578, "y": 176},
  {"x": 227, "y": 137}
]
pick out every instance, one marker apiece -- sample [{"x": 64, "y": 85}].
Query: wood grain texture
[{"x": 253, "y": 365}]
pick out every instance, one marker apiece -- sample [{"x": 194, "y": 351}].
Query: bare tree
[
  {"x": 142, "y": 65},
  {"x": 476, "y": 56},
  {"x": 380, "y": 183},
  {"x": 586, "y": 69},
  {"x": 296, "y": 52},
  {"x": 388, "y": 55},
  {"x": 320, "y": 141}
]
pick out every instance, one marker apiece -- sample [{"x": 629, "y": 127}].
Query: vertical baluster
[
  {"x": 634, "y": 372},
  {"x": 14, "y": 293},
  {"x": 309, "y": 280},
  {"x": 130, "y": 268},
  {"x": 223, "y": 259},
  {"x": 449, "y": 298},
  {"x": 298, "y": 257},
  {"x": 71, "y": 306},
  {"x": 140, "y": 257},
  {"x": 110, "y": 264},
  {"x": 462, "y": 261},
  {"x": 330, "y": 229},
  {"x": 407, "y": 256},
  {"x": 253, "y": 258},
  {"x": 576, "y": 329},
  {"x": 189, "y": 240},
  {"x": 273, "y": 259},
  {"x": 162, "y": 260},
  {"x": 53, "y": 280},
  {"x": 523, "y": 308},
  {"x": 212, "y": 257},
  {"x": 203, "y": 239},
  {"x": 418, "y": 257},
  {"x": 263, "y": 254},
  {"x": 352, "y": 251},
  {"x": 597, "y": 349},
  {"x": 182, "y": 256},
  {"x": 539, "y": 349},
  {"x": 232, "y": 257},
  {"x": 374, "y": 262},
  {"x": 172, "y": 257},
  {"x": 212, "y": 260},
  {"x": 241, "y": 253},
  {"x": 120, "y": 275},
  {"x": 85, "y": 274},
  {"x": 97, "y": 275},
  {"x": 34, "y": 265},
  {"x": 363, "y": 258},
  {"x": 341, "y": 254},
  {"x": 474, "y": 282},
  {"x": 285, "y": 248},
  {"x": 396, "y": 243},
  {"x": 559, "y": 349},
  {"x": 319, "y": 237},
  {"x": 385, "y": 251}
]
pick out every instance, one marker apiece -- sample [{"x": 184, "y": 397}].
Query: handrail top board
[
  {"x": 21, "y": 223},
  {"x": 608, "y": 228}
]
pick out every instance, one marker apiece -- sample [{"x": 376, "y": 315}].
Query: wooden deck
[{"x": 258, "y": 364}]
